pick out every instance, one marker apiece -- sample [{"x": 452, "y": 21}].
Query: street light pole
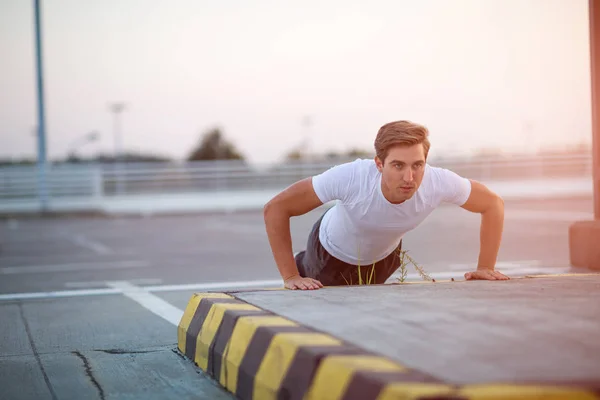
[
  {"x": 307, "y": 122},
  {"x": 117, "y": 109},
  {"x": 41, "y": 126}
]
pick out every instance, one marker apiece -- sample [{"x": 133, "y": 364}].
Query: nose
[{"x": 408, "y": 175}]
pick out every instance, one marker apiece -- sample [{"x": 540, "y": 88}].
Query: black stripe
[
  {"x": 217, "y": 348},
  {"x": 369, "y": 384},
  {"x": 254, "y": 356},
  {"x": 302, "y": 369},
  {"x": 196, "y": 323}
]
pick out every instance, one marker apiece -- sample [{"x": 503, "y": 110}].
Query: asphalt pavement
[{"x": 89, "y": 305}]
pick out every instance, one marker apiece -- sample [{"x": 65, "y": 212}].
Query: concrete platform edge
[{"x": 256, "y": 354}]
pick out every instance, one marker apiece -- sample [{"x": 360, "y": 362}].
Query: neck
[{"x": 388, "y": 196}]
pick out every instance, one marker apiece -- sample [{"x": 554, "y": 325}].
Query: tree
[
  {"x": 213, "y": 146},
  {"x": 294, "y": 155},
  {"x": 358, "y": 153}
]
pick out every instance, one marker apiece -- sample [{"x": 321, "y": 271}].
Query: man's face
[{"x": 402, "y": 172}]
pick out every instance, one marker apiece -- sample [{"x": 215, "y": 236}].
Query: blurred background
[{"x": 153, "y": 107}]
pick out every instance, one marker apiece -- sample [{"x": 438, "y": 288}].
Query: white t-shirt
[{"x": 364, "y": 227}]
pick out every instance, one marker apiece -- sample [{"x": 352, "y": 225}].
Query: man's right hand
[{"x": 298, "y": 282}]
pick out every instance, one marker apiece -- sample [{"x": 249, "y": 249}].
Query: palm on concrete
[{"x": 486, "y": 274}]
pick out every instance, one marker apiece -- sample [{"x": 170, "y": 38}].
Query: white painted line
[
  {"x": 499, "y": 265},
  {"x": 248, "y": 284},
  {"x": 57, "y": 255},
  {"x": 163, "y": 288},
  {"x": 59, "y": 294},
  {"x": 552, "y": 215},
  {"x": 460, "y": 274},
  {"x": 149, "y": 301},
  {"x": 35, "y": 269},
  {"x": 97, "y": 247},
  {"x": 216, "y": 285},
  {"x": 91, "y": 284}
]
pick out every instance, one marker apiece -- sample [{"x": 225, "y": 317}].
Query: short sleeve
[
  {"x": 336, "y": 183},
  {"x": 450, "y": 187}
]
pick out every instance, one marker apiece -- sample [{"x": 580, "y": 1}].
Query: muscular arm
[
  {"x": 491, "y": 207},
  {"x": 298, "y": 199}
]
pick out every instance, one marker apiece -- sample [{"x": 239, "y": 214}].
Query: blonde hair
[{"x": 400, "y": 133}]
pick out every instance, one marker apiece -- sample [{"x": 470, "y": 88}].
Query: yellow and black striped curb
[{"x": 256, "y": 354}]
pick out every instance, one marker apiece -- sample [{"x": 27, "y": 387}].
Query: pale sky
[{"x": 478, "y": 73}]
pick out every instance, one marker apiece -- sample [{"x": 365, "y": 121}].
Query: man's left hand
[{"x": 486, "y": 275}]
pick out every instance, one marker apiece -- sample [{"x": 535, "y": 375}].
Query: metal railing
[{"x": 100, "y": 180}]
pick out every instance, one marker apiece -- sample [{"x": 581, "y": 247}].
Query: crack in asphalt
[{"x": 90, "y": 375}]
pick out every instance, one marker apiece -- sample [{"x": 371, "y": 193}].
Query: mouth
[{"x": 406, "y": 188}]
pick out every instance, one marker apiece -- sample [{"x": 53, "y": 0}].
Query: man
[{"x": 359, "y": 239}]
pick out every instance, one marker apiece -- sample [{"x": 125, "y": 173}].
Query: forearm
[
  {"x": 278, "y": 231},
  {"x": 492, "y": 225}
]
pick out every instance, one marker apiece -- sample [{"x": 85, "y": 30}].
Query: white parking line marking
[
  {"x": 149, "y": 301},
  {"x": 36, "y": 269},
  {"x": 500, "y": 265},
  {"x": 59, "y": 294},
  {"x": 99, "y": 248},
  {"x": 216, "y": 285},
  {"x": 459, "y": 274},
  {"x": 91, "y": 284},
  {"x": 275, "y": 283},
  {"x": 551, "y": 215}
]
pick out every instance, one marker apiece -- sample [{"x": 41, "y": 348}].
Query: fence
[{"x": 97, "y": 181}]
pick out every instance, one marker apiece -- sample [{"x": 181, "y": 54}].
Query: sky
[{"x": 506, "y": 74}]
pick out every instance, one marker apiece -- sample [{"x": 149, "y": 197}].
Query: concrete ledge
[
  {"x": 257, "y": 354},
  {"x": 584, "y": 244}
]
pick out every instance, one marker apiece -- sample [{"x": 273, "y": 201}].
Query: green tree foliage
[{"x": 214, "y": 146}]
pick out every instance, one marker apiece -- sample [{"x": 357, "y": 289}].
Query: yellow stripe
[
  {"x": 210, "y": 326},
  {"x": 279, "y": 356},
  {"x": 528, "y": 392},
  {"x": 240, "y": 339},
  {"x": 409, "y": 391},
  {"x": 335, "y": 372},
  {"x": 190, "y": 310}
]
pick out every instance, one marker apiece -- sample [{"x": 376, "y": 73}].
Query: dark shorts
[{"x": 316, "y": 262}]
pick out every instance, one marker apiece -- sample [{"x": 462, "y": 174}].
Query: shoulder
[
  {"x": 352, "y": 169},
  {"x": 341, "y": 181},
  {"x": 438, "y": 175},
  {"x": 442, "y": 185}
]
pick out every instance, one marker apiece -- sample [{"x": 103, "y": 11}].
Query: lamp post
[
  {"x": 41, "y": 126},
  {"x": 117, "y": 109},
  {"x": 307, "y": 122}
]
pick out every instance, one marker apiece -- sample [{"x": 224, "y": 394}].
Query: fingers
[
  {"x": 313, "y": 284},
  {"x": 500, "y": 276},
  {"x": 304, "y": 284},
  {"x": 486, "y": 275}
]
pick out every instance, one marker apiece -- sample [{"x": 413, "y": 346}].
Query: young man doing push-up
[{"x": 378, "y": 202}]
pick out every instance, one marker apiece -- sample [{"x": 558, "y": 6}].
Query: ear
[{"x": 379, "y": 164}]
